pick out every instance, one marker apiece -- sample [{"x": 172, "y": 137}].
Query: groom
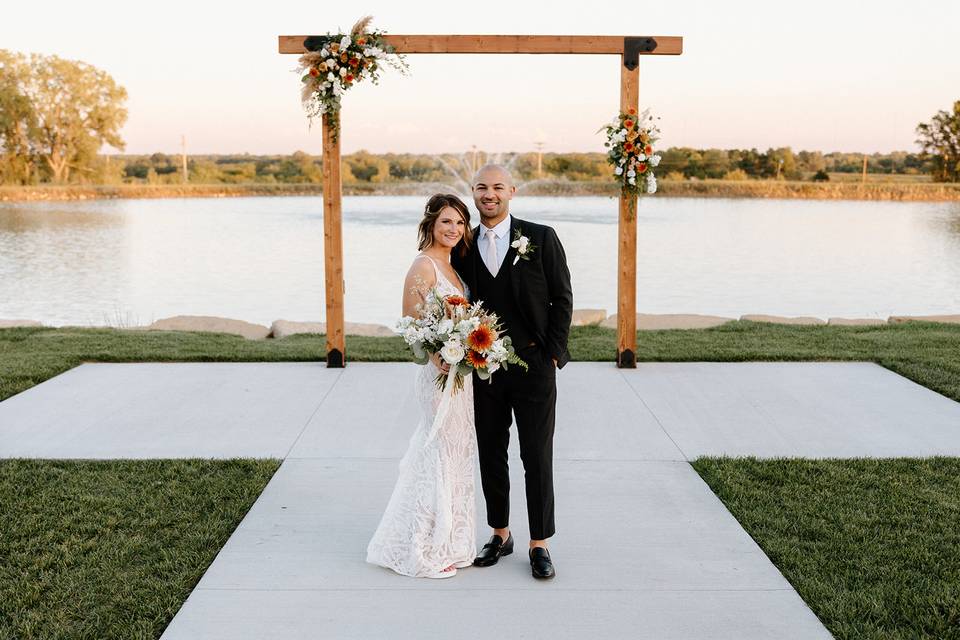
[{"x": 528, "y": 287}]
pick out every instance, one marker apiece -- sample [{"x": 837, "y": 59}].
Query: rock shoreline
[{"x": 581, "y": 317}]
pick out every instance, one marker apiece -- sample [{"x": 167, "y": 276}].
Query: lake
[{"x": 130, "y": 262}]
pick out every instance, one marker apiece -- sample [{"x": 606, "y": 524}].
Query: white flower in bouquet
[
  {"x": 654, "y": 161},
  {"x": 618, "y": 171},
  {"x": 632, "y": 181},
  {"x": 631, "y": 173},
  {"x": 445, "y": 328},
  {"x": 641, "y": 157},
  {"x": 331, "y": 77},
  {"x": 344, "y": 42},
  {"x": 467, "y": 325},
  {"x": 651, "y": 184},
  {"x": 452, "y": 351}
]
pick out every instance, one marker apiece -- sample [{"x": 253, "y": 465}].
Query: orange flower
[
  {"x": 455, "y": 300},
  {"x": 361, "y": 41},
  {"x": 641, "y": 167},
  {"x": 314, "y": 72},
  {"x": 344, "y": 57},
  {"x": 632, "y": 111},
  {"x": 334, "y": 47},
  {"x": 648, "y": 150},
  {"x": 354, "y": 62},
  {"x": 480, "y": 338},
  {"x": 476, "y": 359},
  {"x": 628, "y": 146},
  {"x": 628, "y": 124}
]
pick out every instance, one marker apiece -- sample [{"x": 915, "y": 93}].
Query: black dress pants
[{"x": 532, "y": 397}]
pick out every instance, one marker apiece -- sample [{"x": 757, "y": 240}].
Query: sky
[{"x": 819, "y": 75}]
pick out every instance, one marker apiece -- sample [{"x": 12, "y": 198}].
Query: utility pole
[
  {"x": 539, "y": 146},
  {"x": 183, "y": 158}
]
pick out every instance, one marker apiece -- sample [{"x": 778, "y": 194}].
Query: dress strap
[{"x": 436, "y": 269}]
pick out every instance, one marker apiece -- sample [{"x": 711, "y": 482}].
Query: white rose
[
  {"x": 618, "y": 170},
  {"x": 452, "y": 352},
  {"x": 654, "y": 161},
  {"x": 631, "y": 173},
  {"x": 641, "y": 157},
  {"x": 331, "y": 77},
  {"x": 344, "y": 42},
  {"x": 520, "y": 244},
  {"x": 492, "y": 366},
  {"x": 343, "y": 71},
  {"x": 632, "y": 181}
]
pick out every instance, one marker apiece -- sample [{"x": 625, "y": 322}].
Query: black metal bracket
[
  {"x": 633, "y": 46},
  {"x": 335, "y": 359},
  {"x": 626, "y": 360},
  {"x": 315, "y": 43}
]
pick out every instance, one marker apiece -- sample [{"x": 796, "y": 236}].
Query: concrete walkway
[{"x": 644, "y": 549}]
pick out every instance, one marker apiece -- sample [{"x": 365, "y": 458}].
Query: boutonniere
[{"x": 523, "y": 246}]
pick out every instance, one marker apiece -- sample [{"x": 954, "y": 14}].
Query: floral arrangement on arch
[
  {"x": 630, "y": 139},
  {"x": 339, "y": 61}
]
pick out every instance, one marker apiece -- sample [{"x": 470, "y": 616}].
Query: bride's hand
[{"x": 440, "y": 363}]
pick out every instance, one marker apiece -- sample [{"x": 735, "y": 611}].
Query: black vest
[{"x": 497, "y": 296}]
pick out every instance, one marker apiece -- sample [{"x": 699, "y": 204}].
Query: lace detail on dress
[{"x": 429, "y": 523}]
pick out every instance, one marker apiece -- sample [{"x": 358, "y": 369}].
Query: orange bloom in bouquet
[
  {"x": 457, "y": 301},
  {"x": 314, "y": 72},
  {"x": 628, "y": 146},
  {"x": 648, "y": 150},
  {"x": 628, "y": 124},
  {"x": 476, "y": 359},
  {"x": 481, "y": 338}
]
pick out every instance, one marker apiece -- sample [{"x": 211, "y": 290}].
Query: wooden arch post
[{"x": 627, "y": 48}]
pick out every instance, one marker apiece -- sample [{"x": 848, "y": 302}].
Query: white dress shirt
[{"x": 502, "y": 233}]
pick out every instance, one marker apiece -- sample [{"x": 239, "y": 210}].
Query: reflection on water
[{"x": 259, "y": 259}]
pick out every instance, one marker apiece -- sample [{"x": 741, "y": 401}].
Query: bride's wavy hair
[{"x": 431, "y": 212}]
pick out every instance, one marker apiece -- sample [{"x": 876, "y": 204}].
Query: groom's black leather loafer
[
  {"x": 541, "y": 564},
  {"x": 492, "y": 551}
]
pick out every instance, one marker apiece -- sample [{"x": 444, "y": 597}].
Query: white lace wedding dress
[{"x": 429, "y": 523}]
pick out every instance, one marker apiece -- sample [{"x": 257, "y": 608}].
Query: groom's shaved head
[
  {"x": 492, "y": 174},
  {"x": 492, "y": 190}
]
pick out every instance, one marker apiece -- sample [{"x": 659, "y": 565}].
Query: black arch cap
[
  {"x": 314, "y": 43},
  {"x": 633, "y": 46}
]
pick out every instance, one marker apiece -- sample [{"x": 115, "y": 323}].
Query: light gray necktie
[{"x": 493, "y": 263}]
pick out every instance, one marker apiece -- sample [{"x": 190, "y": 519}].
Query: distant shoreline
[{"x": 687, "y": 188}]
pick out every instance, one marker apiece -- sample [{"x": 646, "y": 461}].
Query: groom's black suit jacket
[{"x": 540, "y": 283}]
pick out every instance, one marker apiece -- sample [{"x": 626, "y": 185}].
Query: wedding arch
[{"x": 628, "y": 48}]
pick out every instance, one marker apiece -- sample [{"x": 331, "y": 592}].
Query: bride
[{"x": 428, "y": 528}]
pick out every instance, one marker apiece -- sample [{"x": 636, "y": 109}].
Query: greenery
[
  {"x": 928, "y": 353},
  {"x": 940, "y": 141},
  {"x": 111, "y": 549},
  {"x": 55, "y": 115},
  {"x": 873, "y": 546}
]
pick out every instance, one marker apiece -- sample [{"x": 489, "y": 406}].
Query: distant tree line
[
  {"x": 365, "y": 167},
  {"x": 56, "y": 115}
]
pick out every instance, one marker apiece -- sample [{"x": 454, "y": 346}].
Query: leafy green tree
[
  {"x": 940, "y": 141},
  {"x": 18, "y": 123},
  {"x": 78, "y": 108}
]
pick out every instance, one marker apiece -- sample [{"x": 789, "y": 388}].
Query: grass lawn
[
  {"x": 873, "y": 546},
  {"x": 870, "y": 545},
  {"x": 111, "y": 549}
]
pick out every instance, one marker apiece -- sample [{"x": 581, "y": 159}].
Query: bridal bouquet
[
  {"x": 630, "y": 139},
  {"x": 466, "y": 336},
  {"x": 336, "y": 62}
]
